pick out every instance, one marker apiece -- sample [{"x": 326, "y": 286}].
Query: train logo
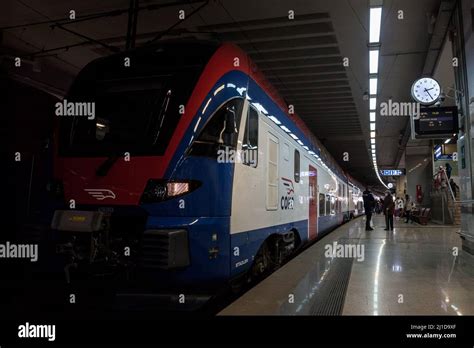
[
  {"x": 100, "y": 194},
  {"x": 287, "y": 201}
]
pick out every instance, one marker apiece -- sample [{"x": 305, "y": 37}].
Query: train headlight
[
  {"x": 177, "y": 188},
  {"x": 162, "y": 190}
]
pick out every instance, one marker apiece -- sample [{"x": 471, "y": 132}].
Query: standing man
[
  {"x": 388, "y": 209},
  {"x": 369, "y": 203},
  {"x": 449, "y": 169}
]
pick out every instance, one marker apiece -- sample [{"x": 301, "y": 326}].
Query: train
[{"x": 191, "y": 173}]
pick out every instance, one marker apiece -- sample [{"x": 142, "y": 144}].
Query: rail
[{"x": 447, "y": 183}]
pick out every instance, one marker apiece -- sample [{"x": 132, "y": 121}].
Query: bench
[{"x": 415, "y": 213}]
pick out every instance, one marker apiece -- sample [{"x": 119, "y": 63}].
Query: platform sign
[
  {"x": 392, "y": 172},
  {"x": 436, "y": 123}
]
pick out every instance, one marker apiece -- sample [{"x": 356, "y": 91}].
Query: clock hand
[{"x": 426, "y": 90}]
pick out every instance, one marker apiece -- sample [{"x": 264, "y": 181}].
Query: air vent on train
[{"x": 165, "y": 249}]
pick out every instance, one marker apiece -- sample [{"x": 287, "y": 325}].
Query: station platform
[{"x": 412, "y": 270}]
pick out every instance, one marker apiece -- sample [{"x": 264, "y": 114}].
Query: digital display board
[
  {"x": 437, "y": 122},
  {"x": 392, "y": 172}
]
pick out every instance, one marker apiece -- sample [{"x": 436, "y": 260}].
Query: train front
[{"x": 146, "y": 205}]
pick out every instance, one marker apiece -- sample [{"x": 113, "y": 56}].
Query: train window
[
  {"x": 297, "y": 166},
  {"x": 328, "y": 204},
  {"x": 250, "y": 141},
  {"x": 321, "y": 204},
  {"x": 214, "y": 136},
  {"x": 137, "y": 109}
]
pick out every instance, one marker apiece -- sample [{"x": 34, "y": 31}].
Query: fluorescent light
[
  {"x": 372, "y": 103},
  {"x": 372, "y": 126},
  {"x": 285, "y": 129},
  {"x": 373, "y": 85},
  {"x": 373, "y": 146},
  {"x": 373, "y": 61},
  {"x": 375, "y": 22},
  {"x": 293, "y": 136},
  {"x": 447, "y": 141},
  {"x": 372, "y": 116},
  {"x": 372, "y": 141},
  {"x": 372, "y": 134}
]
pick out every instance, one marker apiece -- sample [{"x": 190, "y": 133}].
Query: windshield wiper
[{"x": 162, "y": 115}]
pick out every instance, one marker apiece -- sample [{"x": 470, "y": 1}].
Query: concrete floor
[{"x": 410, "y": 271}]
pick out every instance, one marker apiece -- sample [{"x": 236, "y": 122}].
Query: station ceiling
[{"x": 302, "y": 57}]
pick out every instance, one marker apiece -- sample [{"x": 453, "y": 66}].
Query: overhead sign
[
  {"x": 392, "y": 172},
  {"x": 436, "y": 122}
]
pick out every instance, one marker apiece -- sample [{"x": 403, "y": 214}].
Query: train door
[
  {"x": 313, "y": 203},
  {"x": 272, "y": 172}
]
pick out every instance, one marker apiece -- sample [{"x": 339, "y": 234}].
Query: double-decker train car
[{"x": 190, "y": 173}]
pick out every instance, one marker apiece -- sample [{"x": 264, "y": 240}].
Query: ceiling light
[
  {"x": 375, "y": 22},
  {"x": 372, "y": 116},
  {"x": 372, "y": 103},
  {"x": 447, "y": 141},
  {"x": 372, "y": 126},
  {"x": 373, "y": 85},
  {"x": 373, "y": 61},
  {"x": 372, "y": 134},
  {"x": 372, "y": 141}
]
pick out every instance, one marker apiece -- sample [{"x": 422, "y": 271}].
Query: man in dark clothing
[
  {"x": 369, "y": 203},
  {"x": 449, "y": 169},
  {"x": 454, "y": 187},
  {"x": 388, "y": 209}
]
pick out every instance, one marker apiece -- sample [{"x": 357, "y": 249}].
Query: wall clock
[{"x": 426, "y": 90}]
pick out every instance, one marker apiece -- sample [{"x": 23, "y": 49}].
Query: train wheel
[{"x": 262, "y": 262}]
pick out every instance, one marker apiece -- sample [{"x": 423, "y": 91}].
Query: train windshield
[{"x": 129, "y": 103}]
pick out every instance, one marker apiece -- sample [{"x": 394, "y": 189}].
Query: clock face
[{"x": 426, "y": 90}]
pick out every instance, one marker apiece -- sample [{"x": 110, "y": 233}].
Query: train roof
[{"x": 261, "y": 80}]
